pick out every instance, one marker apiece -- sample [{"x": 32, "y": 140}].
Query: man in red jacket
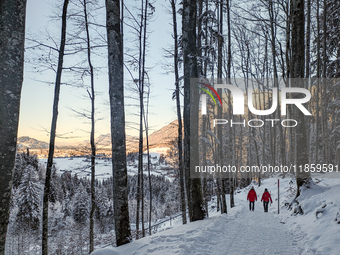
[
  {"x": 265, "y": 198},
  {"x": 252, "y": 197}
]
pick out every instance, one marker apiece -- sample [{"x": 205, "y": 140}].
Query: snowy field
[
  {"x": 316, "y": 231},
  {"x": 82, "y": 165}
]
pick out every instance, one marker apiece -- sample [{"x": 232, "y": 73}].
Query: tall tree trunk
[
  {"x": 179, "y": 115},
  {"x": 142, "y": 107},
  {"x": 194, "y": 191},
  {"x": 273, "y": 39},
  {"x": 298, "y": 58},
  {"x": 308, "y": 38},
  {"x": 44, "y": 246},
  {"x": 307, "y": 65},
  {"x": 12, "y": 40},
  {"x": 318, "y": 72},
  {"x": 140, "y": 141},
  {"x": 199, "y": 38},
  {"x": 324, "y": 88},
  {"x": 116, "y": 91},
  {"x": 93, "y": 146},
  {"x": 219, "y": 128},
  {"x": 146, "y": 123},
  {"x": 231, "y": 136}
]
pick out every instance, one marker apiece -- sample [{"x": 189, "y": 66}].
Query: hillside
[
  {"x": 104, "y": 142},
  {"x": 162, "y": 138},
  {"x": 25, "y": 141},
  {"x": 241, "y": 231}
]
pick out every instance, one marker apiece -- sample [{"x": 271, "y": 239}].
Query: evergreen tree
[
  {"x": 29, "y": 194},
  {"x": 81, "y": 206}
]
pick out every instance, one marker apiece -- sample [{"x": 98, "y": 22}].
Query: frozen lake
[{"x": 82, "y": 166}]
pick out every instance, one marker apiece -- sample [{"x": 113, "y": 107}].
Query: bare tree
[
  {"x": 297, "y": 71},
  {"x": 92, "y": 141},
  {"x": 194, "y": 190},
  {"x": 178, "y": 108},
  {"x": 12, "y": 40},
  {"x": 116, "y": 90},
  {"x": 44, "y": 246}
]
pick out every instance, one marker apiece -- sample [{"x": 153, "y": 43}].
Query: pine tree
[
  {"x": 103, "y": 209},
  {"x": 29, "y": 198},
  {"x": 81, "y": 208}
]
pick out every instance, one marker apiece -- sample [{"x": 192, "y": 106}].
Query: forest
[{"x": 263, "y": 45}]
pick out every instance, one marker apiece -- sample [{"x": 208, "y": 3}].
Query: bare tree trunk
[
  {"x": 140, "y": 143},
  {"x": 219, "y": 128},
  {"x": 142, "y": 107},
  {"x": 273, "y": 39},
  {"x": 298, "y": 58},
  {"x": 12, "y": 40},
  {"x": 307, "y": 65},
  {"x": 194, "y": 191},
  {"x": 92, "y": 141},
  {"x": 146, "y": 123},
  {"x": 318, "y": 81},
  {"x": 231, "y": 137},
  {"x": 179, "y": 115},
  {"x": 44, "y": 246},
  {"x": 324, "y": 88},
  {"x": 308, "y": 39},
  {"x": 116, "y": 90}
]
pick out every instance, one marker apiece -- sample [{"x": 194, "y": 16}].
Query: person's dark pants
[
  {"x": 251, "y": 206},
  {"x": 265, "y": 206}
]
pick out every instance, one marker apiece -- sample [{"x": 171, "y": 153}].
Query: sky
[{"x": 37, "y": 96}]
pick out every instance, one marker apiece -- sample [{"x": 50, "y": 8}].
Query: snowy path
[{"x": 238, "y": 232}]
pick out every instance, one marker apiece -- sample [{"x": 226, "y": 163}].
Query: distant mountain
[
  {"x": 104, "y": 142},
  {"x": 25, "y": 141},
  {"x": 161, "y": 138},
  {"x": 165, "y": 136}
]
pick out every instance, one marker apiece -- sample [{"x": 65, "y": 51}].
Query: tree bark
[
  {"x": 146, "y": 123},
  {"x": 219, "y": 128},
  {"x": 92, "y": 141},
  {"x": 44, "y": 246},
  {"x": 116, "y": 91},
  {"x": 324, "y": 88},
  {"x": 179, "y": 115},
  {"x": 12, "y": 40},
  {"x": 194, "y": 191},
  {"x": 297, "y": 71},
  {"x": 318, "y": 69},
  {"x": 231, "y": 181}
]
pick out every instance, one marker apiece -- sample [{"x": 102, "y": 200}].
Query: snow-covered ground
[
  {"x": 317, "y": 231},
  {"x": 81, "y": 166}
]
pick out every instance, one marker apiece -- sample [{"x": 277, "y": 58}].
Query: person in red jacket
[
  {"x": 265, "y": 198},
  {"x": 252, "y": 197}
]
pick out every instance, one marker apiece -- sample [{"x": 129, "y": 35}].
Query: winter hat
[{"x": 265, "y": 190}]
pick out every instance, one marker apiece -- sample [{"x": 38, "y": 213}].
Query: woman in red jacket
[
  {"x": 252, "y": 197},
  {"x": 265, "y": 198}
]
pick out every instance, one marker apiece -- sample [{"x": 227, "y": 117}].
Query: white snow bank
[
  {"x": 317, "y": 231},
  {"x": 105, "y": 251},
  {"x": 238, "y": 232}
]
